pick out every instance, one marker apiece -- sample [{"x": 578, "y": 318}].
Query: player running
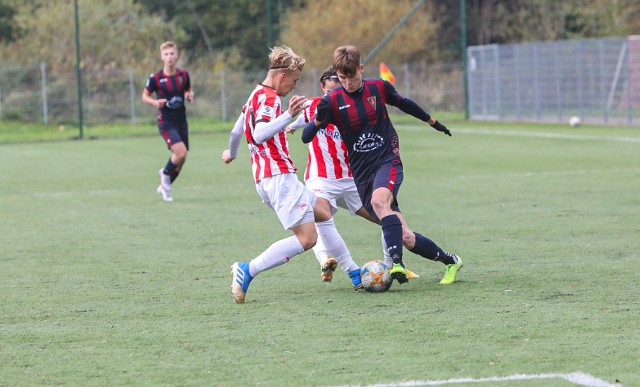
[{"x": 172, "y": 86}]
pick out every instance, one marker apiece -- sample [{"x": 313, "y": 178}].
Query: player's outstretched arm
[
  {"x": 437, "y": 125},
  {"x": 228, "y": 155}
]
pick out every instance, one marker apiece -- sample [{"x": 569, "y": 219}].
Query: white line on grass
[
  {"x": 578, "y": 378},
  {"x": 512, "y": 133}
]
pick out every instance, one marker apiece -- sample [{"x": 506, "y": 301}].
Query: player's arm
[
  {"x": 311, "y": 129},
  {"x": 265, "y": 130},
  {"x": 228, "y": 155},
  {"x": 409, "y": 106},
  {"x": 149, "y": 100},
  {"x": 298, "y": 123}
]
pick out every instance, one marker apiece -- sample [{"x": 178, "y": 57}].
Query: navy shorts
[
  {"x": 173, "y": 133},
  {"x": 389, "y": 175}
]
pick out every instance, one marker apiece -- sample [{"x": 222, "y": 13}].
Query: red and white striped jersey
[
  {"x": 328, "y": 157},
  {"x": 271, "y": 157}
]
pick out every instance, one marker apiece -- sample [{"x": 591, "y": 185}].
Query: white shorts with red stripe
[
  {"x": 339, "y": 192},
  {"x": 289, "y": 198}
]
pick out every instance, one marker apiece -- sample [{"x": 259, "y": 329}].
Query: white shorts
[
  {"x": 289, "y": 198},
  {"x": 339, "y": 192}
]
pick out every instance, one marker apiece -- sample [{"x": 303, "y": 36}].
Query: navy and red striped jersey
[
  {"x": 171, "y": 88},
  {"x": 364, "y": 124}
]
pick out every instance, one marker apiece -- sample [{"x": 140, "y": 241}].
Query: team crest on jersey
[{"x": 372, "y": 101}]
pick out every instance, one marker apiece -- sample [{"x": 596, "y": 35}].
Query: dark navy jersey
[
  {"x": 364, "y": 124},
  {"x": 171, "y": 88}
]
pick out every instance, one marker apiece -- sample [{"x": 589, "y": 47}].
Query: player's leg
[
  {"x": 391, "y": 230},
  {"x": 334, "y": 243},
  {"x": 169, "y": 133},
  {"x": 425, "y": 247},
  {"x": 179, "y": 152},
  {"x": 384, "y": 187},
  {"x": 293, "y": 205}
]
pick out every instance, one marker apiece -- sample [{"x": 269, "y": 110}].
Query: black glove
[
  {"x": 441, "y": 128},
  {"x": 322, "y": 110}
]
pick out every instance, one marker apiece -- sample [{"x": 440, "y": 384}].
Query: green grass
[{"x": 102, "y": 283}]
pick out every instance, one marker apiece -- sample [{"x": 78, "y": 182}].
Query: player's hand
[
  {"x": 289, "y": 130},
  {"x": 322, "y": 110},
  {"x": 189, "y": 96},
  {"x": 441, "y": 128},
  {"x": 296, "y": 104},
  {"x": 226, "y": 156},
  {"x": 160, "y": 103}
]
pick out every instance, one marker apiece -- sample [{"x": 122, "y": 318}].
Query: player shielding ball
[
  {"x": 328, "y": 175},
  {"x": 358, "y": 109}
]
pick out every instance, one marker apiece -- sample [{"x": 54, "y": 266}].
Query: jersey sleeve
[
  {"x": 151, "y": 84},
  {"x": 407, "y": 105}
]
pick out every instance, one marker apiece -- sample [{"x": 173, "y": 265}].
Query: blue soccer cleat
[
  {"x": 241, "y": 280},
  {"x": 355, "y": 279}
]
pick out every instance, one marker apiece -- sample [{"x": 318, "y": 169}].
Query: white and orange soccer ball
[{"x": 375, "y": 276}]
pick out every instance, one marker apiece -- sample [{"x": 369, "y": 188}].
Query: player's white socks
[
  {"x": 319, "y": 250},
  {"x": 277, "y": 254},
  {"x": 334, "y": 245}
]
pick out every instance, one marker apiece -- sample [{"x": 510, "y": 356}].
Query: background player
[{"x": 172, "y": 86}]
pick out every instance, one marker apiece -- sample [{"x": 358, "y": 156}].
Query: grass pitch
[{"x": 102, "y": 283}]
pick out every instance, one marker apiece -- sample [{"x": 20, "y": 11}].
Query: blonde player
[
  {"x": 172, "y": 87},
  {"x": 263, "y": 122}
]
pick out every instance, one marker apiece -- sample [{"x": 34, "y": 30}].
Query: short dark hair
[
  {"x": 346, "y": 59},
  {"x": 328, "y": 73}
]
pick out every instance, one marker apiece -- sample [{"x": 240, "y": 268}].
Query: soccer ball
[
  {"x": 574, "y": 121},
  {"x": 375, "y": 276}
]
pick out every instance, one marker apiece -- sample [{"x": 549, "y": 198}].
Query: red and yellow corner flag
[{"x": 386, "y": 74}]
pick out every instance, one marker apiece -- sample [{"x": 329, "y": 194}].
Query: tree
[
  {"x": 113, "y": 34},
  {"x": 8, "y": 27},
  {"x": 233, "y": 32},
  {"x": 316, "y": 29}
]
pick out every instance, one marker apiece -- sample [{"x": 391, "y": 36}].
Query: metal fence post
[
  {"x": 223, "y": 95},
  {"x": 132, "y": 96},
  {"x": 43, "y": 77}
]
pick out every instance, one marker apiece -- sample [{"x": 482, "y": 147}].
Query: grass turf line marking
[
  {"x": 512, "y": 133},
  {"x": 577, "y": 378}
]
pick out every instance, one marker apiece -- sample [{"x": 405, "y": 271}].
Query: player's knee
[
  {"x": 181, "y": 155},
  {"x": 308, "y": 240},
  {"x": 378, "y": 205}
]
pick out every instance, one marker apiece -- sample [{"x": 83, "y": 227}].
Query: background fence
[
  {"x": 34, "y": 93},
  {"x": 597, "y": 80}
]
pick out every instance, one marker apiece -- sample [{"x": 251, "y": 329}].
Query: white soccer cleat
[
  {"x": 164, "y": 188},
  {"x": 329, "y": 265},
  {"x": 166, "y": 196}
]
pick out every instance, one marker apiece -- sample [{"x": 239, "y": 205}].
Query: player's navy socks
[
  {"x": 392, "y": 231},
  {"x": 425, "y": 247},
  {"x": 170, "y": 169}
]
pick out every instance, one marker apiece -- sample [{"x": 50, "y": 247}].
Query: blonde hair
[
  {"x": 346, "y": 59},
  {"x": 168, "y": 44},
  {"x": 284, "y": 58}
]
